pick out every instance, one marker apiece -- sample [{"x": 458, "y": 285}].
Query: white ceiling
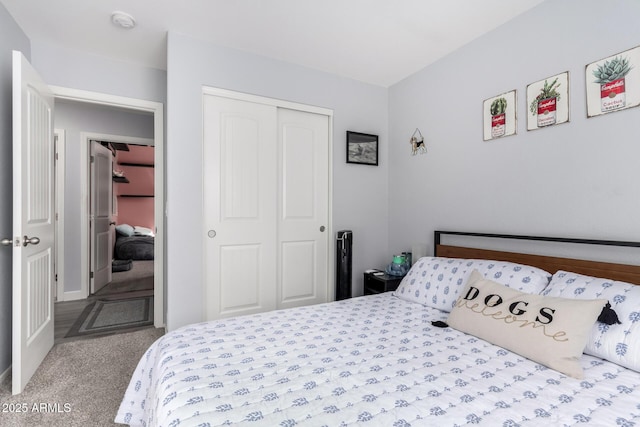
[{"x": 374, "y": 41}]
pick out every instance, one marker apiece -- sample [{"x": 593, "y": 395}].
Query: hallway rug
[{"x": 106, "y": 316}]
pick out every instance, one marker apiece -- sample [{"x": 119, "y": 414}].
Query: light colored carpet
[{"x": 80, "y": 383}]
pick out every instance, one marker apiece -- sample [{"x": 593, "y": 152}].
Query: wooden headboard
[{"x": 622, "y": 272}]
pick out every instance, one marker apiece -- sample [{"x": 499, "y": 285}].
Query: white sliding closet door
[
  {"x": 303, "y": 208},
  {"x": 239, "y": 207},
  {"x": 266, "y": 195}
]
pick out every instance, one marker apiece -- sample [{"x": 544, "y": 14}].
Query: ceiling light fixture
[{"x": 123, "y": 20}]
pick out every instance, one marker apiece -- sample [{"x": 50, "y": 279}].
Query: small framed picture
[
  {"x": 548, "y": 102},
  {"x": 613, "y": 83},
  {"x": 499, "y": 116},
  {"x": 362, "y": 148}
]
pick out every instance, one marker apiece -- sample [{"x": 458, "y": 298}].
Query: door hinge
[
  {"x": 91, "y": 275},
  {"x": 92, "y": 158}
]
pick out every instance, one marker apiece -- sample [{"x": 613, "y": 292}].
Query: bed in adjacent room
[
  {"x": 470, "y": 337},
  {"x": 134, "y": 243}
]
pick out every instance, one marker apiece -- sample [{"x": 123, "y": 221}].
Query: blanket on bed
[
  {"x": 374, "y": 360},
  {"x": 134, "y": 247}
]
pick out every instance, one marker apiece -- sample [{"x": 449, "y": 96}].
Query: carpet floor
[{"x": 80, "y": 383}]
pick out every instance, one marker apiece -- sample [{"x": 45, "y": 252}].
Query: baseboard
[{"x": 73, "y": 296}]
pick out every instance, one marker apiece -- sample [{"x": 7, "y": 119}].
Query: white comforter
[{"x": 374, "y": 360}]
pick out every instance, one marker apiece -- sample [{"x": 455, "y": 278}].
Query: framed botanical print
[
  {"x": 499, "y": 116},
  {"x": 548, "y": 102},
  {"x": 613, "y": 83}
]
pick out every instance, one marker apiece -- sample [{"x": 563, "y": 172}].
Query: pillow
[
  {"x": 124, "y": 229},
  {"x": 142, "y": 231},
  {"x": 548, "y": 330},
  {"x": 436, "y": 281},
  {"x": 617, "y": 343}
]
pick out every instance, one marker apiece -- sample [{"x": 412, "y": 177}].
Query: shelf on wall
[{"x": 142, "y": 165}]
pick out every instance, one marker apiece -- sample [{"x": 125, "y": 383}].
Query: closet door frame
[{"x": 278, "y": 103}]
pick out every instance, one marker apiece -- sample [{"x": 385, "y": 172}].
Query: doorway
[
  {"x": 120, "y": 234},
  {"x": 154, "y": 111},
  {"x": 131, "y": 220}
]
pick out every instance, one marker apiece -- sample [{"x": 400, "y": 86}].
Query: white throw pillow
[
  {"x": 436, "y": 281},
  {"x": 142, "y": 231},
  {"x": 549, "y": 330},
  {"x": 616, "y": 343}
]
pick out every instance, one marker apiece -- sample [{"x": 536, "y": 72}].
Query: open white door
[
  {"x": 33, "y": 222},
  {"x": 100, "y": 216}
]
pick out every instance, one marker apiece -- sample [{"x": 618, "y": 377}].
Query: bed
[
  {"x": 394, "y": 359},
  {"x": 133, "y": 243}
]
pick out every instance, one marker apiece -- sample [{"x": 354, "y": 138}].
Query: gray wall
[
  {"x": 75, "y": 118},
  {"x": 579, "y": 178},
  {"x": 575, "y": 179},
  {"x": 11, "y": 37},
  {"x": 61, "y": 66},
  {"x": 359, "y": 192}
]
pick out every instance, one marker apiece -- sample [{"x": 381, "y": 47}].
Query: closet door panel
[
  {"x": 240, "y": 167},
  {"x": 239, "y": 158},
  {"x": 303, "y": 149},
  {"x": 239, "y": 271},
  {"x": 298, "y": 272}
]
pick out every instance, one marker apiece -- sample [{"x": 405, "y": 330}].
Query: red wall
[{"x": 135, "y": 210}]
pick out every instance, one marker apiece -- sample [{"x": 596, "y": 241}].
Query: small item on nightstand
[{"x": 399, "y": 266}]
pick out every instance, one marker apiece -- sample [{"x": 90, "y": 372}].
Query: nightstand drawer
[{"x": 377, "y": 284}]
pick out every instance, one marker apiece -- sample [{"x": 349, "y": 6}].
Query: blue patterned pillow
[
  {"x": 619, "y": 344},
  {"x": 437, "y": 281}
]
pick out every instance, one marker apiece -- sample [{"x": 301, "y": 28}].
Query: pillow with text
[{"x": 549, "y": 330}]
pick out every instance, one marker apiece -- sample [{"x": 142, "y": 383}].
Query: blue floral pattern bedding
[{"x": 374, "y": 360}]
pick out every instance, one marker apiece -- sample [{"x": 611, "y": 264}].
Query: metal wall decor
[
  {"x": 417, "y": 143},
  {"x": 548, "y": 102},
  {"x": 613, "y": 83},
  {"x": 362, "y": 148},
  {"x": 499, "y": 116}
]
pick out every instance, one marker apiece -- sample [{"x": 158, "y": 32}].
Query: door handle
[
  {"x": 32, "y": 240},
  {"x": 6, "y": 242}
]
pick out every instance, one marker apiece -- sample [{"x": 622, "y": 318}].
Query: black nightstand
[{"x": 376, "y": 284}]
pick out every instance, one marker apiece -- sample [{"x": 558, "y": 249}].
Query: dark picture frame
[{"x": 362, "y": 148}]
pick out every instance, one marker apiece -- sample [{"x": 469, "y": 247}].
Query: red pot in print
[
  {"x": 547, "y": 111},
  {"x": 498, "y": 127},
  {"x": 612, "y": 95}
]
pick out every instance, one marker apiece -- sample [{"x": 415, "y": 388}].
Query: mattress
[{"x": 374, "y": 360}]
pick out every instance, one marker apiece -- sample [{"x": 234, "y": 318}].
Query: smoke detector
[{"x": 123, "y": 20}]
